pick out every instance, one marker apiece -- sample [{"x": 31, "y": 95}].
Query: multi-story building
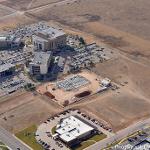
[
  {"x": 49, "y": 39},
  {"x": 40, "y": 64},
  {"x": 6, "y": 70},
  {"x": 8, "y": 42}
]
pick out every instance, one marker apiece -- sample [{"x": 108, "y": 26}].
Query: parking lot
[
  {"x": 15, "y": 56},
  {"x": 76, "y": 56},
  {"x": 44, "y": 131},
  {"x": 28, "y": 30},
  {"x": 87, "y": 55},
  {"x": 13, "y": 83}
]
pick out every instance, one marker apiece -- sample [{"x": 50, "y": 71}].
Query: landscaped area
[
  {"x": 53, "y": 130},
  {"x": 3, "y": 146},
  {"x": 121, "y": 140},
  {"x": 90, "y": 141},
  {"x": 28, "y": 136},
  {"x": 98, "y": 137}
]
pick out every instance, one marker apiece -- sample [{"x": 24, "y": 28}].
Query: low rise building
[
  {"x": 49, "y": 39},
  {"x": 6, "y": 70},
  {"x": 40, "y": 63},
  {"x": 9, "y": 42},
  {"x": 72, "y": 130},
  {"x": 105, "y": 82}
]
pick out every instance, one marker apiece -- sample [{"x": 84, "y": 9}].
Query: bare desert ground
[
  {"x": 118, "y": 109},
  {"x": 128, "y": 104},
  {"x": 120, "y": 24},
  {"x": 19, "y": 112},
  {"x": 123, "y": 24}
]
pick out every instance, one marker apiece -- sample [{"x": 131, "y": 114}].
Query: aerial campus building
[
  {"x": 49, "y": 39},
  {"x": 40, "y": 63},
  {"x": 9, "y": 42},
  {"x": 6, "y": 70},
  {"x": 72, "y": 131}
]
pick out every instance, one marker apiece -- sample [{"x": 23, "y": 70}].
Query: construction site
[
  {"x": 73, "y": 88},
  {"x": 100, "y": 67}
]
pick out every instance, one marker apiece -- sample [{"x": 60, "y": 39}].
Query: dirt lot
[
  {"x": 115, "y": 22},
  {"x": 118, "y": 109},
  {"x": 61, "y": 95},
  {"x": 27, "y": 4},
  {"x": 5, "y": 11},
  {"x": 121, "y": 24},
  {"x": 21, "y": 111},
  {"x": 128, "y": 104}
]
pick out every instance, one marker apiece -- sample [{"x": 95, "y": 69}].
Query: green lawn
[
  {"x": 3, "y": 148},
  {"x": 28, "y": 136},
  {"x": 53, "y": 130},
  {"x": 83, "y": 145},
  {"x": 98, "y": 137},
  {"x": 90, "y": 141}
]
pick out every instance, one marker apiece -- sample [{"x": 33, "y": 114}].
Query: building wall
[
  {"x": 34, "y": 69},
  {"x": 5, "y": 44},
  {"x": 9, "y": 43},
  {"x": 39, "y": 69},
  {"x": 48, "y": 44},
  {"x": 8, "y": 72}
]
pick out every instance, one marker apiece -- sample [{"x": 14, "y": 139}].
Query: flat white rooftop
[
  {"x": 52, "y": 32},
  {"x": 72, "y": 128},
  {"x": 41, "y": 58}
]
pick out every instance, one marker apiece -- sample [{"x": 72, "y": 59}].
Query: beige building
[
  {"x": 40, "y": 64},
  {"x": 49, "y": 39}
]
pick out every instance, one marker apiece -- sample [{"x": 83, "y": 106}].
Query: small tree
[
  {"x": 66, "y": 103},
  {"x": 30, "y": 87},
  {"x": 82, "y": 41}
]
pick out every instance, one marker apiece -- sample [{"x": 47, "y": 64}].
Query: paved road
[
  {"x": 44, "y": 128},
  {"x": 120, "y": 135},
  {"x": 11, "y": 141}
]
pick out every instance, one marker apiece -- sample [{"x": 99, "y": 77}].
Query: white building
[
  {"x": 7, "y": 42},
  {"x": 105, "y": 82},
  {"x": 49, "y": 39},
  {"x": 71, "y": 130},
  {"x": 40, "y": 64}
]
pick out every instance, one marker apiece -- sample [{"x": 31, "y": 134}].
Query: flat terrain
[
  {"x": 121, "y": 24},
  {"x": 28, "y": 136},
  {"x": 127, "y": 104},
  {"x": 61, "y": 95},
  {"x": 26, "y": 109},
  {"x": 124, "y": 25},
  {"x": 114, "y": 22}
]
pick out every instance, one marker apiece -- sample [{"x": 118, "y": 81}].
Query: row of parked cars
[{"x": 106, "y": 127}]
